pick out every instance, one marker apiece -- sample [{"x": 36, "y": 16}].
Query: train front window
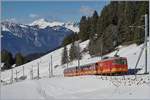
[{"x": 120, "y": 61}]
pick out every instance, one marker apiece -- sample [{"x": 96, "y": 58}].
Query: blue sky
[{"x": 28, "y": 11}]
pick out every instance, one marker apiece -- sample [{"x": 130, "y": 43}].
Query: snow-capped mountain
[
  {"x": 72, "y": 26},
  {"x": 29, "y": 39},
  {"x": 43, "y": 23}
]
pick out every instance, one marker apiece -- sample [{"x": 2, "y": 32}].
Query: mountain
[
  {"x": 29, "y": 39},
  {"x": 43, "y": 23}
]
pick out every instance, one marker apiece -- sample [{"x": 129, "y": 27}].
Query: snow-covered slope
[
  {"x": 131, "y": 52},
  {"x": 81, "y": 87}
]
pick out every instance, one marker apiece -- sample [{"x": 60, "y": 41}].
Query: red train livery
[{"x": 114, "y": 65}]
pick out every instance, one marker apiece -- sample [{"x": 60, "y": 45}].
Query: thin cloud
[
  {"x": 11, "y": 20},
  {"x": 33, "y": 16},
  {"x": 86, "y": 10}
]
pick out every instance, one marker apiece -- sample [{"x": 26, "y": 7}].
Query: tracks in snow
[{"x": 42, "y": 92}]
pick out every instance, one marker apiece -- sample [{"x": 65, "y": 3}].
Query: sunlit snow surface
[
  {"x": 81, "y": 87},
  {"x": 42, "y": 23}
]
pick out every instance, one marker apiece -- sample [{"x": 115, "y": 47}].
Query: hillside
[
  {"x": 129, "y": 51},
  {"x": 61, "y": 87},
  {"x": 117, "y": 23}
]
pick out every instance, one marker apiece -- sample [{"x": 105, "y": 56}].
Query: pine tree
[
  {"x": 84, "y": 28},
  {"x": 19, "y": 59},
  {"x": 71, "y": 52},
  {"x": 65, "y": 58},
  {"x": 74, "y": 52},
  {"x": 93, "y": 23},
  {"x": 69, "y": 39},
  {"x": 7, "y": 58},
  {"x": 93, "y": 33}
]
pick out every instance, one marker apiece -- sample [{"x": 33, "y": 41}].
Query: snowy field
[{"x": 81, "y": 87}]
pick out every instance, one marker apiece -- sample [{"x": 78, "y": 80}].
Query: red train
[{"x": 110, "y": 66}]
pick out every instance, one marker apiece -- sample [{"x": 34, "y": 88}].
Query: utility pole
[
  {"x": 51, "y": 66},
  {"x": 0, "y": 73},
  {"x": 67, "y": 63},
  {"x": 145, "y": 43},
  {"x": 102, "y": 47},
  {"x": 146, "y": 25},
  {"x": 78, "y": 55},
  {"x": 49, "y": 69},
  {"x": 67, "y": 57}
]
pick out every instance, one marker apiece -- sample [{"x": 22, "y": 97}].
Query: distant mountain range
[
  {"x": 43, "y": 23},
  {"x": 37, "y": 37}
]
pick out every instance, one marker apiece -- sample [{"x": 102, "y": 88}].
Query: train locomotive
[{"x": 110, "y": 66}]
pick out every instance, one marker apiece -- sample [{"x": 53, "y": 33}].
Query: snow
[
  {"x": 42, "y": 23},
  {"x": 4, "y": 28},
  {"x": 2, "y": 64},
  {"x": 81, "y": 87},
  {"x": 72, "y": 26},
  {"x": 24, "y": 26},
  {"x": 74, "y": 29}
]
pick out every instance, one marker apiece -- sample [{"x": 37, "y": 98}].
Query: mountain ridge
[
  {"x": 43, "y": 23},
  {"x": 28, "y": 39}
]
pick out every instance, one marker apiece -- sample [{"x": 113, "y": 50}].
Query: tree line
[
  {"x": 8, "y": 59},
  {"x": 112, "y": 27},
  {"x": 72, "y": 54}
]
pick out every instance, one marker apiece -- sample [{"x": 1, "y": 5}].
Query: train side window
[{"x": 120, "y": 61}]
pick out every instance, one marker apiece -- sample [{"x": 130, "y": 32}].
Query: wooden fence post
[
  {"x": 23, "y": 70},
  {"x": 38, "y": 71},
  {"x": 12, "y": 76},
  {"x": 16, "y": 76}
]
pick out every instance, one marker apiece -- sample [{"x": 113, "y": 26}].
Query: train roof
[
  {"x": 81, "y": 65},
  {"x": 110, "y": 58},
  {"x": 116, "y": 58}
]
